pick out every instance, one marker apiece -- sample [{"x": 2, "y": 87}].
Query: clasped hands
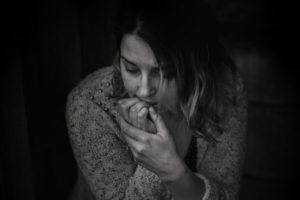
[{"x": 149, "y": 139}]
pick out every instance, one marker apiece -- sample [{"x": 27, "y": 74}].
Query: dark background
[{"x": 50, "y": 46}]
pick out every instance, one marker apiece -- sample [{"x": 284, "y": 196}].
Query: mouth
[
  {"x": 149, "y": 103},
  {"x": 153, "y": 104}
]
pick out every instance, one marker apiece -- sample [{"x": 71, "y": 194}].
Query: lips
[
  {"x": 149, "y": 102},
  {"x": 153, "y": 104}
]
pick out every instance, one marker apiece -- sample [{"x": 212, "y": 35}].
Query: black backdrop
[{"x": 50, "y": 46}]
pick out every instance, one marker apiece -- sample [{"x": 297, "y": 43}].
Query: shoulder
[
  {"x": 96, "y": 88},
  {"x": 91, "y": 100},
  {"x": 97, "y": 83},
  {"x": 94, "y": 135}
]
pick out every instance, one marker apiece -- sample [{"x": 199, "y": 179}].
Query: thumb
[{"x": 158, "y": 121}]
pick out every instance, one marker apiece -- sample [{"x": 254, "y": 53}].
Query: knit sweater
[{"x": 106, "y": 169}]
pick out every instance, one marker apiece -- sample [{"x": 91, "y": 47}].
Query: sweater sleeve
[
  {"x": 100, "y": 155},
  {"x": 222, "y": 163}
]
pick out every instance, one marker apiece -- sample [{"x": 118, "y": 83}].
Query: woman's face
[{"x": 141, "y": 74}]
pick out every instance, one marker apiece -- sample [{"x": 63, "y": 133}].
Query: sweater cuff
[{"x": 207, "y": 186}]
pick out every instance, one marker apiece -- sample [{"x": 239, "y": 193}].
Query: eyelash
[
  {"x": 136, "y": 71},
  {"x": 132, "y": 71}
]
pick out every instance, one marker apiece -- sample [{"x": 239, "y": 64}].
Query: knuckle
[
  {"x": 132, "y": 109},
  {"x": 137, "y": 105},
  {"x": 122, "y": 106},
  {"x": 141, "y": 114},
  {"x": 140, "y": 150}
]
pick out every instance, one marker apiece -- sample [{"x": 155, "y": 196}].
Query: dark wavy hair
[{"x": 184, "y": 39}]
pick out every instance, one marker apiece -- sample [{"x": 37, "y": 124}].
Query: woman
[{"x": 168, "y": 119}]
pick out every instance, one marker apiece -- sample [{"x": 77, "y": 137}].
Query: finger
[
  {"x": 142, "y": 117},
  {"x": 131, "y": 147},
  {"x": 151, "y": 128},
  {"x": 134, "y": 155},
  {"x": 124, "y": 105},
  {"x": 132, "y": 132},
  {"x": 120, "y": 101},
  {"x": 158, "y": 121},
  {"x": 144, "y": 122},
  {"x": 133, "y": 144},
  {"x": 134, "y": 111}
]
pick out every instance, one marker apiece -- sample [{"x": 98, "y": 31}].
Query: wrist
[{"x": 176, "y": 172}]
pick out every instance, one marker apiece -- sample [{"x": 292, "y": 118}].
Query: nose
[{"x": 146, "y": 88}]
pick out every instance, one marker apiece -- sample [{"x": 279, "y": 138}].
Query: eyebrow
[
  {"x": 128, "y": 61},
  {"x": 132, "y": 63}
]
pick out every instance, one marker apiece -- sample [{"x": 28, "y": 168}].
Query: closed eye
[
  {"x": 132, "y": 70},
  {"x": 129, "y": 66}
]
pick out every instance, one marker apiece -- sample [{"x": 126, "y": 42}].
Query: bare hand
[
  {"x": 156, "y": 152},
  {"x": 136, "y": 113}
]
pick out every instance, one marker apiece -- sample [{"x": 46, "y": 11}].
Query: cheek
[{"x": 130, "y": 83}]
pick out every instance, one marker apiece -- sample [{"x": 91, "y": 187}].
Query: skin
[
  {"x": 150, "y": 140},
  {"x": 141, "y": 78},
  {"x": 141, "y": 75}
]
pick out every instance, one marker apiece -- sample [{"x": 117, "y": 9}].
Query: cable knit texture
[{"x": 106, "y": 169}]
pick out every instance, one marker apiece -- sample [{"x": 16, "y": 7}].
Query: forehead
[{"x": 137, "y": 50}]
